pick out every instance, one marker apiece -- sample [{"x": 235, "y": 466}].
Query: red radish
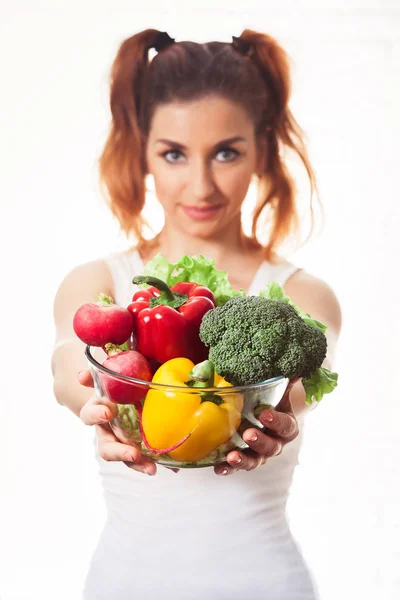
[
  {"x": 130, "y": 363},
  {"x": 96, "y": 324}
]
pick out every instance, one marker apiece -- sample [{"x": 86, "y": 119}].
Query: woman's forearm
[
  {"x": 67, "y": 359},
  {"x": 298, "y": 400}
]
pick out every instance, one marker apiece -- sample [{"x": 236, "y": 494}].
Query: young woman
[{"x": 204, "y": 120}]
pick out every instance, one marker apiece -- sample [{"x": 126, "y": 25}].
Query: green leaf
[
  {"x": 313, "y": 322},
  {"x": 159, "y": 267},
  {"x": 197, "y": 269},
  {"x": 320, "y": 383},
  {"x": 129, "y": 418},
  {"x": 273, "y": 291},
  {"x": 125, "y": 346}
]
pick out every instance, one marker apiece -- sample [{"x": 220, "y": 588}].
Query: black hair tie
[
  {"x": 241, "y": 45},
  {"x": 162, "y": 40}
]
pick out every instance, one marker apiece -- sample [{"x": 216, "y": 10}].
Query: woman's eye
[
  {"x": 220, "y": 151},
  {"x": 171, "y": 152},
  {"x": 228, "y": 150}
]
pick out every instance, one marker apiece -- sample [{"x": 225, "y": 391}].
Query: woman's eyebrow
[{"x": 237, "y": 138}]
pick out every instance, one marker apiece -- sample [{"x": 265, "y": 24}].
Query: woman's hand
[
  {"x": 283, "y": 426},
  {"x": 99, "y": 412}
]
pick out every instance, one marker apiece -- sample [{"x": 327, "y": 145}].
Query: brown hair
[{"x": 186, "y": 71}]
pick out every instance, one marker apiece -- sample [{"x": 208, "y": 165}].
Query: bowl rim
[{"x": 164, "y": 386}]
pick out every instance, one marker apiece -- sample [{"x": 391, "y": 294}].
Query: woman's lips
[{"x": 202, "y": 213}]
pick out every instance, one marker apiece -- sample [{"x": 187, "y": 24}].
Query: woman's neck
[
  {"x": 173, "y": 244},
  {"x": 231, "y": 252}
]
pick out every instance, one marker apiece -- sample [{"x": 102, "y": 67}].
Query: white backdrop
[{"x": 55, "y": 59}]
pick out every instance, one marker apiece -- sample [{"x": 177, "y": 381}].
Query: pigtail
[
  {"x": 122, "y": 163},
  {"x": 276, "y": 188}
]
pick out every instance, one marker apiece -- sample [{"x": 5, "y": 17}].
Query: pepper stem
[
  {"x": 202, "y": 374},
  {"x": 155, "y": 282},
  {"x": 167, "y": 297}
]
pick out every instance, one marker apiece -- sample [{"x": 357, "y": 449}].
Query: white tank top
[{"x": 193, "y": 535}]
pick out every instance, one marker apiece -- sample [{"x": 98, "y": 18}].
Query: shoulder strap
[{"x": 270, "y": 272}]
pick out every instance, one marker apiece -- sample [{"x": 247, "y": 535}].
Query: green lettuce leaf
[
  {"x": 320, "y": 383},
  {"x": 273, "y": 291},
  {"x": 197, "y": 269},
  {"x": 129, "y": 418}
]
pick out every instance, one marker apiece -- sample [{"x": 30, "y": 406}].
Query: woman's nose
[{"x": 203, "y": 185}]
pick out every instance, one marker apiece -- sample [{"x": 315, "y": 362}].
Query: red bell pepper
[{"x": 166, "y": 321}]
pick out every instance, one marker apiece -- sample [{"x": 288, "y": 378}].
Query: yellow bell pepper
[{"x": 194, "y": 424}]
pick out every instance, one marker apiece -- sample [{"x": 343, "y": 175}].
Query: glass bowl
[{"x": 184, "y": 427}]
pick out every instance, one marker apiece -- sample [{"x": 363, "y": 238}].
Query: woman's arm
[
  {"x": 81, "y": 285},
  {"x": 315, "y": 297}
]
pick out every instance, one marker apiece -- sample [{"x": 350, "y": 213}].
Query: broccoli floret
[{"x": 252, "y": 339}]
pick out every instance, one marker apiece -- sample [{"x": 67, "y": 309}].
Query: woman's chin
[{"x": 203, "y": 230}]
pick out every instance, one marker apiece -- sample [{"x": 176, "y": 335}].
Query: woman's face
[{"x": 201, "y": 178}]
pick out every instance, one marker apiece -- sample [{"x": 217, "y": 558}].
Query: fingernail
[
  {"x": 253, "y": 437},
  {"x": 224, "y": 472},
  {"x": 145, "y": 470},
  {"x": 237, "y": 459},
  {"x": 269, "y": 417}
]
